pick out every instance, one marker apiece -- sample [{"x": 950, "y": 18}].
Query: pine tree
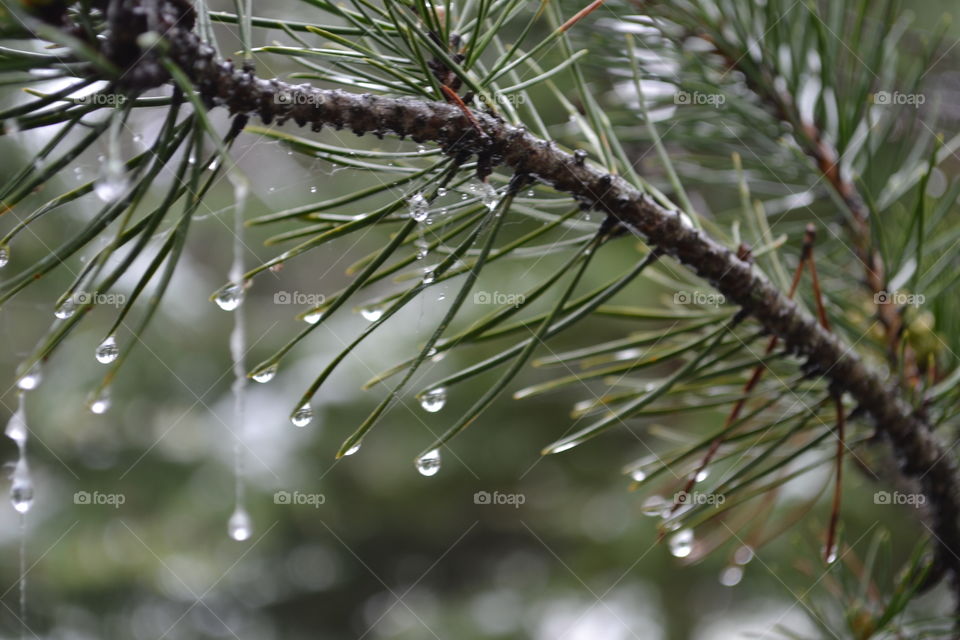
[{"x": 776, "y": 170}]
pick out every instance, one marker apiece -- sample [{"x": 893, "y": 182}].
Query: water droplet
[
  {"x": 681, "y": 543},
  {"x": 240, "y": 526},
  {"x": 429, "y": 276},
  {"x": 16, "y": 428},
  {"x": 832, "y": 556},
  {"x": 31, "y": 379},
  {"x": 442, "y": 191},
  {"x": 265, "y": 375},
  {"x": 65, "y": 310},
  {"x": 488, "y": 194},
  {"x": 530, "y": 193},
  {"x": 4, "y": 255},
  {"x": 429, "y": 463},
  {"x": 214, "y": 164},
  {"x": 302, "y": 416},
  {"x": 313, "y": 189},
  {"x": 731, "y": 576},
  {"x": 101, "y": 403},
  {"x": 21, "y": 495},
  {"x": 638, "y": 475},
  {"x": 313, "y": 317},
  {"x": 743, "y": 555},
  {"x": 419, "y": 207},
  {"x": 229, "y": 297},
  {"x": 654, "y": 506},
  {"x": 703, "y": 474},
  {"x": 434, "y": 399},
  {"x": 352, "y": 450},
  {"x": 372, "y": 314},
  {"x": 441, "y": 297},
  {"x": 421, "y": 148},
  {"x": 112, "y": 182},
  {"x": 108, "y": 351},
  {"x": 422, "y": 253}
]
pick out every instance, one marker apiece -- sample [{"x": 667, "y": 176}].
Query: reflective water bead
[
  {"x": 265, "y": 375},
  {"x": 101, "y": 403},
  {"x": 240, "y": 525},
  {"x": 313, "y": 317},
  {"x": 371, "y": 314},
  {"x": 681, "y": 543},
  {"x": 352, "y": 450},
  {"x": 429, "y": 463},
  {"x": 434, "y": 399},
  {"x": 731, "y": 576},
  {"x": 4, "y": 255},
  {"x": 229, "y": 297},
  {"x": 31, "y": 379},
  {"x": 302, "y": 416},
  {"x": 65, "y": 310},
  {"x": 108, "y": 351}
]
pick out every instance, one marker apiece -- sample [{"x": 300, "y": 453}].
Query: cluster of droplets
[
  {"x": 21, "y": 487},
  {"x": 419, "y": 207}
]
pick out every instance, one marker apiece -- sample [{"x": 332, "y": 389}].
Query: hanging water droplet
[
  {"x": 421, "y": 148},
  {"x": 488, "y": 194},
  {"x": 4, "y": 255},
  {"x": 434, "y": 399},
  {"x": 731, "y": 576},
  {"x": 419, "y": 207},
  {"x": 265, "y": 375},
  {"x": 681, "y": 543},
  {"x": 108, "y": 351},
  {"x": 240, "y": 526},
  {"x": 703, "y": 474},
  {"x": 743, "y": 555},
  {"x": 442, "y": 191},
  {"x": 229, "y": 297},
  {"x": 441, "y": 297},
  {"x": 31, "y": 379},
  {"x": 429, "y": 276},
  {"x": 638, "y": 475},
  {"x": 101, "y": 403},
  {"x": 429, "y": 463},
  {"x": 372, "y": 314},
  {"x": 313, "y": 189},
  {"x": 352, "y": 450},
  {"x": 21, "y": 489},
  {"x": 832, "y": 555},
  {"x": 302, "y": 416},
  {"x": 16, "y": 428},
  {"x": 654, "y": 506},
  {"x": 214, "y": 164},
  {"x": 65, "y": 310},
  {"x": 422, "y": 253},
  {"x": 313, "y": 317},
  {"x": 112, "y": 182}
]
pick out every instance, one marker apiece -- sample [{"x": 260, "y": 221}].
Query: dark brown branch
[{"x": 921, "y": 455}]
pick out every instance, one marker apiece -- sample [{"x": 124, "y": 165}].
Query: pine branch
[{"x": 461, "y": 132}]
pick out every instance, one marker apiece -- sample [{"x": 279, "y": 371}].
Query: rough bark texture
[{"x": 922, "y": 456}]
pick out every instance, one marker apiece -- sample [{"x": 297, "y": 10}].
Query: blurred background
[{"x": 370, "y": 548}]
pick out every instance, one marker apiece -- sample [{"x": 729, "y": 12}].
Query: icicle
[
  {"x": 240, "y": 525},
  {"x": 21, "y": 490}
]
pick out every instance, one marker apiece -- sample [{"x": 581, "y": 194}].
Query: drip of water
[
  {"x": 240, "y": 525},
  {"x": 21, "y": 491},
  {"x": 429, "y": 463}
]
